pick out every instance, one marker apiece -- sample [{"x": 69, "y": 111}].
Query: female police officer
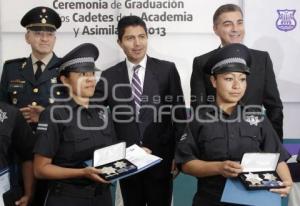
[
  {"x": 220, "y": 134},
  {"x": 68, "y": 133}
]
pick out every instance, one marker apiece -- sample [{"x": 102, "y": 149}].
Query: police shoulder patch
[{"x": 42, "y": 126}]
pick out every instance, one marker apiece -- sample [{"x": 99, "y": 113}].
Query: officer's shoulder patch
[
  {"x": 42, "y": 126},
  {"x": 183, "y": 137},
  {"x": 15, "y": 60}
]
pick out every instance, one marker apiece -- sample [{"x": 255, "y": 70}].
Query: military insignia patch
[
  {"x": 253, "y": 120},
  {"x": 102, "y": 115},
  {"x": 3, "y": 116},
  {"x": 183, "y": 137},
  {"x": 23, "y": 65},
  {"x": 53, "y": 80}
]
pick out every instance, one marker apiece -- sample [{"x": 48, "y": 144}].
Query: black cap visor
[
  {"x": 233, "y": 67},
  {"x": 84, "y": 67},
  {"x": 42, "y": 28}
]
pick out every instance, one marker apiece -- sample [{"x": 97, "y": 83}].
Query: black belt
[{"x": 79, "y": 191}]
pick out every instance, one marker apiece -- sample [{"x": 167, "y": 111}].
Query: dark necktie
[
  {"x": 136, "y": 87},
  {"x": 39, "y": 71}
]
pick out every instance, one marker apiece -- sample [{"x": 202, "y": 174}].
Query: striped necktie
[{"x": 136, "y": 87}]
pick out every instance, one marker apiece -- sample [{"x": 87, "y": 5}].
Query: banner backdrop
[{"x": 179, "y": 30}]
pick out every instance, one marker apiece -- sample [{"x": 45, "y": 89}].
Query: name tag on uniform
[{"x": 4, "y": 184}]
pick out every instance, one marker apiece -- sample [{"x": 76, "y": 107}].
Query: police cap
[
  {"x": 80, "y": 59},
  {"x": 231, "y": 58},
  {"x": 41, "y": 19}
]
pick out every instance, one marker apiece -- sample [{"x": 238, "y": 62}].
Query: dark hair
[
  {"x": 224, "y": 9},
  {"x": 127, "y": 21},
  {"x": 64, "y": 90},
  {"x": 63, "y": 73}
]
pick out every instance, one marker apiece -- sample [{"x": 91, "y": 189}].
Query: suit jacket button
[
  {"x": 34, "y": 104},
  {"x": 35, "y": 90}
]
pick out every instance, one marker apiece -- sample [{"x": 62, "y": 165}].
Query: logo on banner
[{"x": 286, "y": 20}]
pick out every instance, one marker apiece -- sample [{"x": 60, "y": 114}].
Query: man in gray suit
[{"x": 262, "y": 87}]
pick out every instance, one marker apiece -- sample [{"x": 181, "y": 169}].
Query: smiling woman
[{"x": 66, "y": 139}]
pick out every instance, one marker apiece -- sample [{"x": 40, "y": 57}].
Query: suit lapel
[
  {"x": 150, "y": 87},
  {"x": 27, "y": 71},
  {"x": 47, "y": 73},
  {"x": 249, "y": 78},
  {"x": 123, "y": 78}
]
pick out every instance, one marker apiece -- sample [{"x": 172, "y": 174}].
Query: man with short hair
[
  {"x": 262, "y": 87},
  {"x": 145, "y": 96},
  {"x": 26, "y": 82}
]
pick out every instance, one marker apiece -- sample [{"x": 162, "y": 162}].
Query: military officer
[
  {"x": 69, "y": 132},
  {"x": 16, "y": 138},
  {"x": 221, "y": 133},
  {"x": 26, "y": 82}
]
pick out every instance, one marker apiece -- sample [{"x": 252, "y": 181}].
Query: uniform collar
[
  {"x": 225, "y": 115},
  {"x": 74, "y": 105},
  {"x": 45, "y": 60}
]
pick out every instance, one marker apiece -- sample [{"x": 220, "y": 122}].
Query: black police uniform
[
  {"x": 70, "y": 146},
  {"x": 15, "y": 136},
  {"x": 214, "y": 135},
  {"x": 69, "y": 133},
  {"x": 220, "y": 141},
  {"x": 16, "y": 146}
]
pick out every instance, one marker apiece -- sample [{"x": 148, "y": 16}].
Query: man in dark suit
[
  {"x": 262, "y": 87},
  {"x": 146, "y": 101},
  {"x": 26, "y": 82}
]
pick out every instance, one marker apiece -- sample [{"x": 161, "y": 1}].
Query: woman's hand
[
  {"x": 283, "y": 191},
  {"x": 94, "y": 174},
  {"x": 230, "y": 168},
  {"x": 23, "y": 201}
]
